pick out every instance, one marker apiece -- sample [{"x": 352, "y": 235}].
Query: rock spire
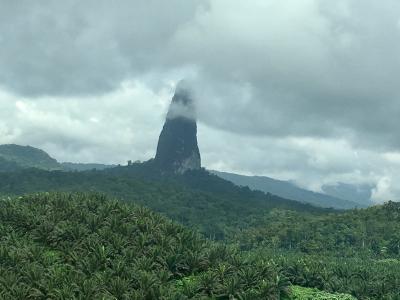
[{"x": 177, "y": 149}]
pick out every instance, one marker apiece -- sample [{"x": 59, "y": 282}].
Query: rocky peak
[{"x": 177, "y": 149}]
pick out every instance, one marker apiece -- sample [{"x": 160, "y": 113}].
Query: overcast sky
[{"x": 302, "y": 90}]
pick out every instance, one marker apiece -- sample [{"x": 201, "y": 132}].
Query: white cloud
[
  {"x": 383, "y": 190},
  {"x": 111, "y": 128},
  {"x": 392, "y": 157}
]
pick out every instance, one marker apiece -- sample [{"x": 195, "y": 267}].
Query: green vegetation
[
  {"x": 362, "y": 277},
  {"x": 67, "y": 166},
  {"x": 205, "y": 202},
  {"x": 260, "y": 243},
  {"x": 300, "y": 293},
  {"x": 372, "y": 232},
  {"x": 8, "y": 166},
  {"x": 13, "y": 157},
  {"x": 63, "y": 246}
]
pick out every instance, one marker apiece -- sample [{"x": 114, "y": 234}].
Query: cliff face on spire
[{"x": 177, "y": 149}]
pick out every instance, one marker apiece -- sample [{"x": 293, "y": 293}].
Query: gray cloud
[
  {"x": 310, "y": 68},
  {"x": 304, "y": 90},
  {"x": 84, "y": 47}
]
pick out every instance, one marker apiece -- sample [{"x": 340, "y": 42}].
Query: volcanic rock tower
[{"x": 177, "y": 149}]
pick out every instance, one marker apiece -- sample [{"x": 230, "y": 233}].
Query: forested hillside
[
  {"x": 8, "y": 166},
  {"x": 25, "y": 157},
  {"x": 204, "y": 201},
  {"x": 353, "y": 252},
  {"x": 66, "y": 246},
  {"x": 68, "y": 166},
  {"x": 77, "y": 246},
  {"x": 374, "y": 231}
]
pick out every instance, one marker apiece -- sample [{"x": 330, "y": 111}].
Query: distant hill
[
  {"x": 288, "y": 190},
  {"x": 21, "y": 157},
  {"x": 15, "y": 157}
]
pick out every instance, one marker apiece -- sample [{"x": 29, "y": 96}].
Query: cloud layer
[{"x": 305, "y": 90}]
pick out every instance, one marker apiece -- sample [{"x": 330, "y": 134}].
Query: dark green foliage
[
  {"x": 372, "y": 232},
  {"x": 8, "y": 166},
  {"x": 67, "y": 166},
  {"x": 362, "y": 277},
  {"x": 26, "y": 157},
  {"x": 77, "y": 246},
  {"x": 273, "y": 242},
  {"x": 355, "y": 252},
  {"x": 207, "y": 202}
]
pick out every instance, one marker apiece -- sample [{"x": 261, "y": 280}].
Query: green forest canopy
[{"x": 353, "y": 252}]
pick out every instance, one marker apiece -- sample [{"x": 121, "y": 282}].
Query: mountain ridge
[
  {"x": 288, "y": 190},
  {"x": 27, "y": 157},
  {"x": 15, "y": 157}
]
